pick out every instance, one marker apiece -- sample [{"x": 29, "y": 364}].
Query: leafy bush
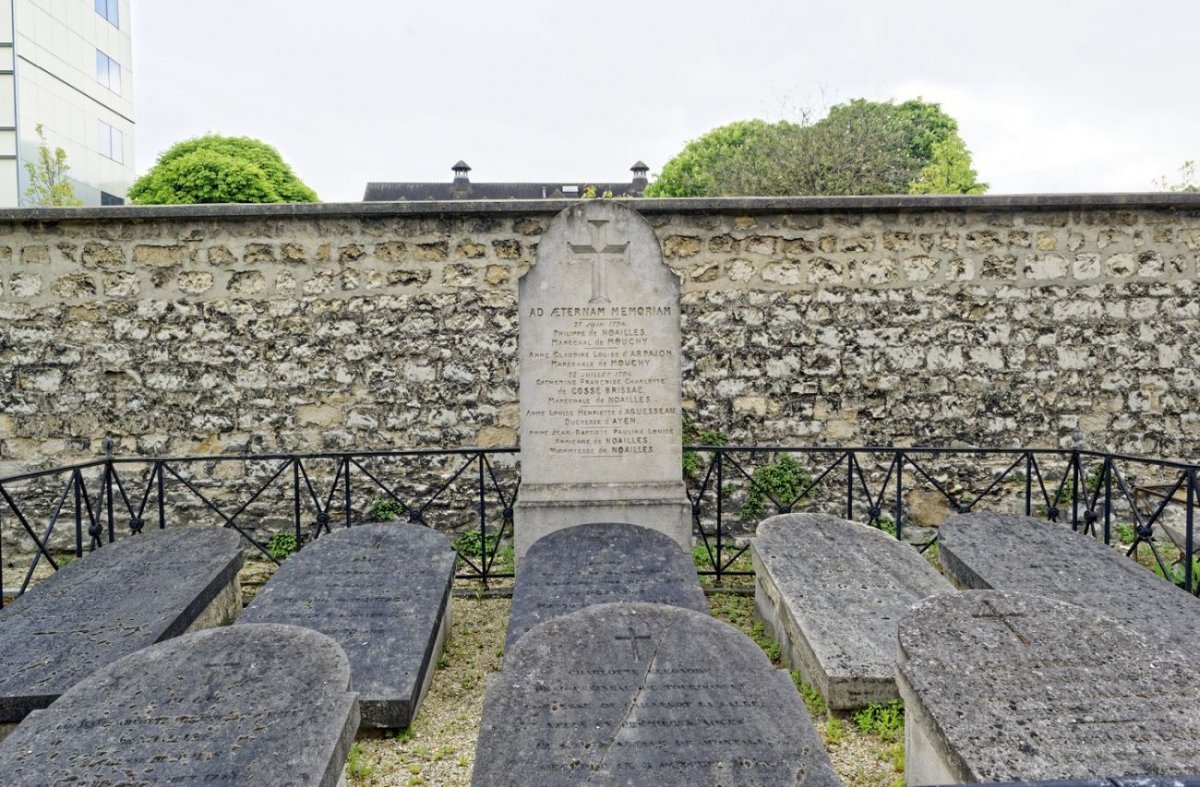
[
  {"x": 385, "y": 509},
  {"x": 282, "y": 544},
  {"x": 782, "y": 480},
  {"x": 693, "y": 462}
]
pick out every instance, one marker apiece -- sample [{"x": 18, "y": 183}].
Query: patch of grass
[
  {"x": 833, "y": 731},
  {"x": 812, "y": 698},
  {"x": 1125, "y": 533},
  {"x": 282, "y": 544},
  {"x": 895, "y": 755},
  {"x": 883, "y": 721},
  {"x": 356, "y": 763}
]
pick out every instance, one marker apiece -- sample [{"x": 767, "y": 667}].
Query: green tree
[
  {"x": 860, "y": 147},
  {"x": 215, "y": 168},
  {"x": 48, "y": 184},
  {"x": 692, "y": 173},
  {"x": 950, "y": 171}
]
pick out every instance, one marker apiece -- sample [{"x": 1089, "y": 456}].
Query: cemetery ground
[{"x": 866, "y": 747}]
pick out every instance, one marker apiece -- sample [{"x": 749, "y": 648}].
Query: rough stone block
[
  {"x": 575, "y": 568},
  {"x": 382, "y": 592},
  {"x": 831, "y": 593},
  {"x": 127, "y": 595},
  {"x": 1006, "y": 687},
  {"x": 644, "y": 694},
  {"x": 1016, "y": 553},
  {"x": 261, "y": 705}
]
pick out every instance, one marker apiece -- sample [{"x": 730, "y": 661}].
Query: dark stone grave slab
[
  {"x": 831, "y": 592},
  {"x": 123, "y": 597},
  {"x": 252, "y": 705},
  {"x": 1011, "y": 687},
  {"x": 1018, "y": 553},
  {"x": 382, "y": 592},
  {"x": 597, "y": 564},
  {"x": 644, "y": 694}
]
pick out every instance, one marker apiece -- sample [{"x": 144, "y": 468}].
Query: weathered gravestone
[
  {"x": 1009, "y": 552},
  {"x": 831, "y": 592},
  {"x": 382, "y": 592},
  {"x": 571, "y": 569},
  {"x": 1005, "y": 687},
  {"x": 644, "y": 694},
  {"x": 127, "y": 595},
  {"x": 601, "y": 428},
  {"x": 253, "y": 705}
]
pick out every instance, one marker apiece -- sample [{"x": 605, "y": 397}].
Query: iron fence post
[
  {"x": 76, "y": 477},
  {"x": 162, "y": 502},
  {"x": 1107, "y": 472},
  {"x": 899, "y": 495},
  {"x": 850, "y": 485},
  {"x": 720, "y": 509},
  {"x": 1075, "y": 474},
  {"x": 485, "y": 563},
  {"x": 108, "y": 499},
  {"x": 296, "y": 498},
  {"x": 346, "y": 488},
  {"x": 1191, "y": 517},
  {"x": 1028, "y": 483}
]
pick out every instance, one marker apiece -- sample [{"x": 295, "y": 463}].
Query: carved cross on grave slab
[
  {"x": 632, "y": 638},
  {"x": 1006, "y": 618},
  {"x": 600, "y": 249}
]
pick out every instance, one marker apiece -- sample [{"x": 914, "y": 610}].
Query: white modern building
[{"x": 66, "y": 64}]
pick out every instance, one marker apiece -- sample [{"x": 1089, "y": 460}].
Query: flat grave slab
[
  {"x": 644, "y": 694},
  {"x": 831, "y": 592},
  {"x": 1018, "y": 553},
  {"x": 252, "y": 705},
  {"x": 123, "y": 597},
  {"x": 597, "y": 564},
  {"x": 382, "y": 592},
  {"x": 1012, "y": 687}
]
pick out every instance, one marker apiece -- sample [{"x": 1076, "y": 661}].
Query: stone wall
[{"x": 999, "y": 321}]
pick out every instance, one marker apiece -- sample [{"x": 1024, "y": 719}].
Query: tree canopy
[
  {"x": 215, "y": 168},
  {"x": 860, "y": 147}
]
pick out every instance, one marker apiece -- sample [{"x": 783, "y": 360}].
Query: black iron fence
[{"x": 279, "y": 502}]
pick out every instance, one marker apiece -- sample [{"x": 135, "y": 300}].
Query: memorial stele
[{"x": 601, "y": 430}]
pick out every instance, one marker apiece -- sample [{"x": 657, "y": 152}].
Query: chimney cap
[
  {"x": 639, "y": 168},
  {"x": 461, "y": 167}
]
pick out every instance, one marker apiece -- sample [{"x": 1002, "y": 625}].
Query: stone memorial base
[
  {"x": 222, "y": 610},
  {"x": 546, "y": 508}
]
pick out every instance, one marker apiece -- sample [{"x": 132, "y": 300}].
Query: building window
[
  {"x": 110, "y": 199},
  {"x": 110, "y": 10},
  {"x": 112, "y": 143},
  {"x": 108, "y": 72}
]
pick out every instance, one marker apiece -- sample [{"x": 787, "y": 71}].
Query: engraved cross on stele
[{"x": 600, "y": 250}]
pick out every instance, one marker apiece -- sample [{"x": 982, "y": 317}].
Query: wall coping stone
[{"x": 1186, "y": 201}]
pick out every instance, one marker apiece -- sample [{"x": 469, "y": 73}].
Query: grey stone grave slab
[
  {"x": 382, "y": 592},
  {"x": 831, "y": 592},
  {"x": 124, "y": 596},
  {"x": 252, "y": 705},
  {"x": 1009, "y": 552},
  {"x": 597, "y": 564},
  {"x": 601, "y": 429},
  {"x": 1005, "y": 687},
  {"x": 644, "y": 694}
]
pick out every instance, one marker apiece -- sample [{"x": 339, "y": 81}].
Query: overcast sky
[{"x": 1050, "y": 95}]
